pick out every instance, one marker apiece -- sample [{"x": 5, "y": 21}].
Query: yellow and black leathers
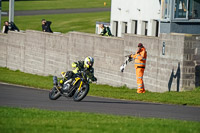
[{"x": 80, "y": 66}]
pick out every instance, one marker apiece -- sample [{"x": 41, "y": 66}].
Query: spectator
[
  {"x": 105, "y": 30},
  {"x": 9, "y": 26},
  {"x": 5, "y": 27},
  {"x": 46, "y": 26}
]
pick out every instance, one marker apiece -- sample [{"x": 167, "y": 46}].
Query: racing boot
[{"x": 60, "y": 84}]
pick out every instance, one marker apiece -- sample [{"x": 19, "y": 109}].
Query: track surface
[
  {"x": 59, "y": 11},
  {"x": 17, "y": 96}
]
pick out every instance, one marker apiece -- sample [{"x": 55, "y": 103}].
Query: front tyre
[
  {"x": 54, "y": 94},
  {"x": 79, "y": 95}
]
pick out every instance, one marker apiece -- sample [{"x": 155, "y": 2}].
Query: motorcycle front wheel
[
  {"x": 54, "y": 94},
  {"x": 79, "y": 95}
]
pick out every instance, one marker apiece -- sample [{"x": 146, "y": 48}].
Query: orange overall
[{"x": 140, "y": 61}]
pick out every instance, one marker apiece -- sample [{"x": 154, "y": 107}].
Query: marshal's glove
[{"x": 130, "y": 58}]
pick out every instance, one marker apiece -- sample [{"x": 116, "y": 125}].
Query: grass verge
[
  {"x": 185, "y": 98},
  {"x": 82, "y": 22},
  {"x": 55, "y": 4},
  {"x": 20, "y": 120}
]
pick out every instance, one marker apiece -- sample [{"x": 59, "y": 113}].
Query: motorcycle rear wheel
[
  {"x": 54, "y": 94},
  {"x": 79, "y": 95}
]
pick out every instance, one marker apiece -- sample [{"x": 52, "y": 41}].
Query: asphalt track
[
  {"x": 59, "y": 11},
  {"x": 18, "y": 96}
]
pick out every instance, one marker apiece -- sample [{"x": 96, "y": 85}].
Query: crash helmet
[{"x": 88, "y": 62}]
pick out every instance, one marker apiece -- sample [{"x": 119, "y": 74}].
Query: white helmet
[{"x": 89, "y": 61}]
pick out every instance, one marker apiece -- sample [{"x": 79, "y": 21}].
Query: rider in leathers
[{"x": 85, "y": 65}]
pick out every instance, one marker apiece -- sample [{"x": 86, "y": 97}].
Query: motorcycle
[{"x": 77, "y": 87}]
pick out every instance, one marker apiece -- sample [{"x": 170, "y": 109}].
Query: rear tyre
[
  {"x": 54, "y": 94},
  {"x": 79, "y": 95}
]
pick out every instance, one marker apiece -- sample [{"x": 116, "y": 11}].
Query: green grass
[
  {"x": 26, "y": 79},
  {"x": 82, "y": 22},
  {"x": 186, "y": 97},
  {"x": 17, "y": 120},
  {"x": 183, "y": 98},
  {"x": 55, "y": 4}
]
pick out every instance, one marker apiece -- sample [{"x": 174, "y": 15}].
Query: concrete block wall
[
  {"x": 56, "y": 54},
  {"x": 170, "y": 64},
  {"x": 34, "y": 53},
  {"x": 15, "y": 51},
  {"x": 191, "y": 70},
  {"x": 3, "y": 49},
  {"x": 49, "y": 54}
]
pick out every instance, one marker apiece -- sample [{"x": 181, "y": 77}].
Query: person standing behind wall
[
  {"x": 46, "y": 26},
  {"x": 9, "y": 26},
  {"x": 105, "y": 30},
  {"x": 5, "y": 27},
  {"x": 140, "y": 62}
]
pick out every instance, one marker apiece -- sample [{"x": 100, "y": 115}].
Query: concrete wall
[{"x": 45, "y": 53}]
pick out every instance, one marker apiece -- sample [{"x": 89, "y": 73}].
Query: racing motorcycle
[{"x": 77, "y": 87}]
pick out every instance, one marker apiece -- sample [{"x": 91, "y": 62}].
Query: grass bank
[
  {"x": 34, "y": 120},
  {"x": 55, "y": 4},
  {"x": 82, "y": 22},
  {"x": 185, "y": 98}
]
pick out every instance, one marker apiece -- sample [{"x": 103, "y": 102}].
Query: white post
[
  {"x": 11, "y": 10},
  {"x": 0, "y": 15}
]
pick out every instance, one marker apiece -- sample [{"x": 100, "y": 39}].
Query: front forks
[{"x": 80, "y": 86}]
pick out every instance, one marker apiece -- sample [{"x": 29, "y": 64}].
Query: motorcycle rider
[{"x": 86, "y": 65}]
